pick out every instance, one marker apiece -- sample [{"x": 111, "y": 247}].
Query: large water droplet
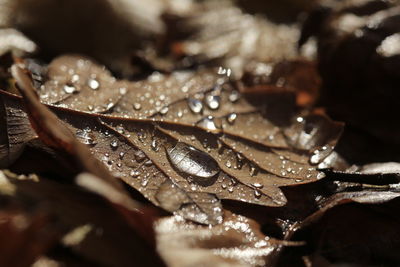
[
  {"x": 93, "y": 84},
  {"x": 192, "y": 161},
  {"x": 195, "y": 105},
  {"x": 213, "y": 101},
  {"x": 137, "y": 106}
]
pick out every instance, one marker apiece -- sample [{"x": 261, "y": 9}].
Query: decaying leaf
[{"x": 185, "y": 133}]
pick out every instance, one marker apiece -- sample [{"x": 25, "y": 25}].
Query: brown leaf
[
  {"x": 57, "y": 135},
  {"x": 71, "y": 219},
  {"x": 15, "y": 131},
  {"x": 138, "y": 143},
  {"x": 238, "y": 241}
]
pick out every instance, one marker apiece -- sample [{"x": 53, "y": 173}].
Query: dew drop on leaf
[
  {"x": 114, "y": 144},
  {"x": 139, "y": 156},
  {"x": 234, "y": 96},
  {"x": 93, "y": 84},
  {"x": 257, "y": 185},
  {"x": 137, "y": 106},
  {"x": 154, "y": 145},
  {"x": 207, "y": 123},
  {"x": 195, "y": 105},
  {"x": 213, "y": 101},
  {"x": 75, "y": 78},
  {"x": 231, "y": 118},
  {"x": 192, "y": 161},
  {"x": 86, "y": 137},
  {"x": 164, "y": 110},
  {"x": 69, "y": 89},
  {"x": 134, "y": 173}
]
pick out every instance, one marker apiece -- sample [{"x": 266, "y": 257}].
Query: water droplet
[
  {"x": 179, "y": 114},
  {"x": 86, "y": 136},
  {"x": 134, "y": 173},
  {"x": 195, "y": 105},
  {"x": 164, "y": 110},
  {"x": 114, "y": 144},
  {"x": 141, "y": 136},
  {"x": 93, "y": 84},
  {"x": 230, "y": 189},
  {"x": 148, "y": 163},
  {"x": 234, "y": 96},
  {"x": 154, "y": 145},
  {"x": 137, "y": 106},
  {"x": 140, "y": 156},
  {"x": 320, "y": 154},
  {"x": 257, "y": 185},
  {"x": 231, "y": 118},
  {"x": 207, "y": 123},
  {"x": 121, "y": 155},
  {"x": 122, "y": 90},
  {"x": 224, "y": 186},
  {"x": 192, "y": 161},
  {"x": 120, "y": 129},
  {"x": 90, "y": 107},
  {"x": 213, "y": 101},
  {"x": 228, "y": 164},
  {"x": 144, "y": 182},
  {"x": 75, "y": 78},
  {"x": 253, "y": 171},
  {"x": 69, "y": 89},
  {"x": 224, "y": 71},
  {"x": 257, "y": 193}
]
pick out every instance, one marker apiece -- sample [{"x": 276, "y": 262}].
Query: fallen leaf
[
  {"x": 139, "y": 144},
  {"x": 238, "y": 241}
]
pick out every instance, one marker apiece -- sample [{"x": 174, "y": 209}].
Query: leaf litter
[{"x": 190, "y": 141}]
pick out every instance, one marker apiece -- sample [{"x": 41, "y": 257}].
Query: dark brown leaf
[{"x": 63, "y": 216}]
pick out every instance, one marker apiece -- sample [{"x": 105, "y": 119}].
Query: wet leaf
[{"x": 165, "y": 141}]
